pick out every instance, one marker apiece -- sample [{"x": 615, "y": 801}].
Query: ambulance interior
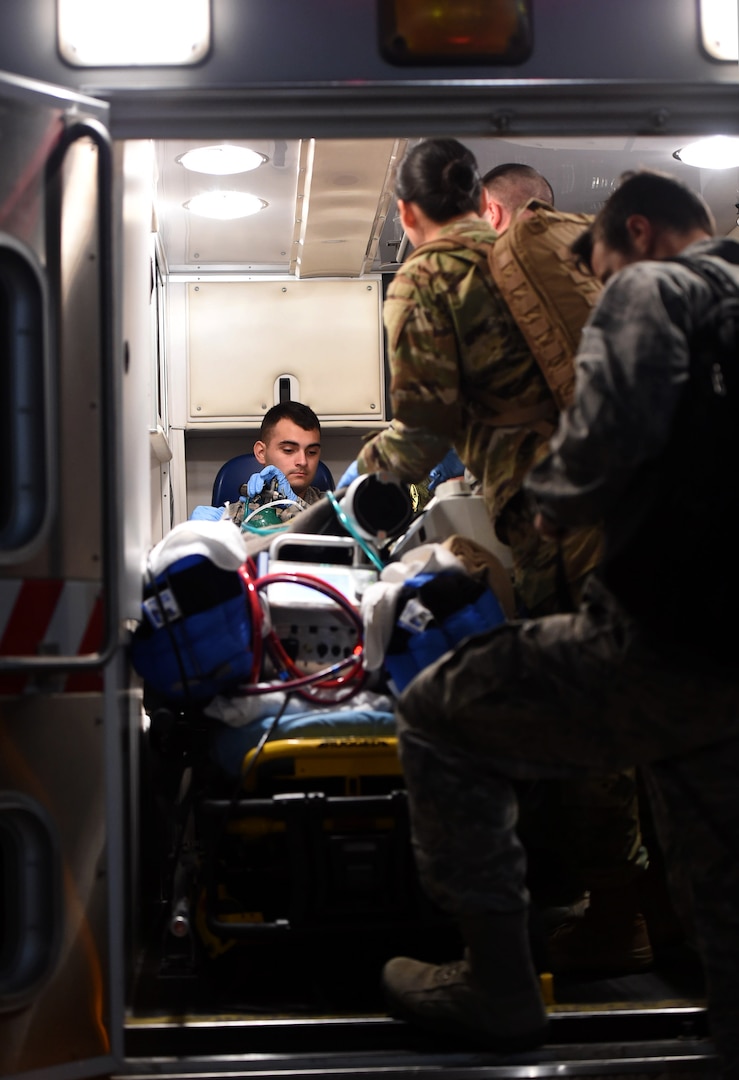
[
  {"x": 287, "y": 301},
  {"x": 328, "y": 221}
]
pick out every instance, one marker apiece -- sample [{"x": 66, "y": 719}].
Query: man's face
[
  {"x": 606, "y": 262},
  {"x": 293, "y": 451},
  {"x": 646, "y": 241}
]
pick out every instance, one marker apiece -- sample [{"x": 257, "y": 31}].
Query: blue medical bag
[
  {"x": 194, "y": 640},
  {"x": 435, "y": 612}
]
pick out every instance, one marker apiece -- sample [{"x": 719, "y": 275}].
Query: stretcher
[
  {"x": 296, "y": 821},
  {"x": 294, "y": 818}
]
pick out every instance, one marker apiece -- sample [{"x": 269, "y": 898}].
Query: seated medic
[{"x": 289, "y": 448}]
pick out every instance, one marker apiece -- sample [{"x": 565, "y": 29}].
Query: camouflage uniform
[
  {"x": 458, "y": 361},
  {"x": 599, "y": 688},
  {"x": 279, "y": 514},
  {"x": 553, "y": 697}
]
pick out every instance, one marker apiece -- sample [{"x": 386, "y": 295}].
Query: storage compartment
[{"x": 252, "y": 343}]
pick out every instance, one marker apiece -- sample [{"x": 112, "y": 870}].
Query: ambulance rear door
[{"x": 61, "y": 892}]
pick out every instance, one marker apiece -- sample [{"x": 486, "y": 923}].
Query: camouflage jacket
[
  {"x": 633, "y": 364},
  {"x": 649, "y": 444},
  {"x": 269, "y": 498},
  {"x": 458, "y": 361}
]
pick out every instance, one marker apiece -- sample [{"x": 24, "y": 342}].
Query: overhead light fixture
[
  {"x": 719, "y": 21},
  {"x": 225, "y": 205},
  {"x": 221, "y": 160},
  {"x": 126, "y": 33},
  {"x": 714, "y": 152}
]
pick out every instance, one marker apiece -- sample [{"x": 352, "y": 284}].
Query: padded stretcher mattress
[{"x": 229, "y": 745}]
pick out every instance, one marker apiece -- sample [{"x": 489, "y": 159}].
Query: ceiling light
[
  {"x": 720, "y": 29},
  {"x": 714, "y": 152},
  {"x": 137, "y": 32},
  {"x": 225, "y": 205},
  {"x": 223, "y": 160}
]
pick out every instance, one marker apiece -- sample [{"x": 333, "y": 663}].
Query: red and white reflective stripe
[{"x": 49, "y": 617}]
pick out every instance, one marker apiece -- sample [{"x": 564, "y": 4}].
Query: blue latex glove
[
  {"x": 258, "y": 481},
  {"x": 207, "y": 513},
  {"x": 449, "y": 467},
  {"x": 351, "y": 474}
]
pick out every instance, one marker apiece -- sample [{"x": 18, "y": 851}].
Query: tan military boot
[{"x": 490, "y": 998}]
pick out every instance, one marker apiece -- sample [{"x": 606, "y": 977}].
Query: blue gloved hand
[
  {"x": 450, "y": 466},
  {"x": 258, "y": 481},
  {"x": 351, "y": 474},
  {"x": 207, "y": 513}
]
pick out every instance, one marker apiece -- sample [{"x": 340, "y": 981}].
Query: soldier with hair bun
[{"x": 464, "y": 376}]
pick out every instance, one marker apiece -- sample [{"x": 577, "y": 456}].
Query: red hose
[{"x": 312, "y": 687}]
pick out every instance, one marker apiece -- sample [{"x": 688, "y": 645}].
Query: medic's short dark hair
[
  {"x": 300, "y": 414},
  {"x": 662, "y": 199},
  {"x": 516, "y": 177}
]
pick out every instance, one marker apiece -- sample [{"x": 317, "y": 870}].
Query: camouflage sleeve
[
  {"x": 424, "y": 387},
  {"x": 409, "y": 453}
]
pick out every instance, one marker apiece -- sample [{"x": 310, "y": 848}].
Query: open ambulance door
[{"x": 61, "y": 716}]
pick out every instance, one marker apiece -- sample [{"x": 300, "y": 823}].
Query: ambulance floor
[{"x": 339, "y": 973}]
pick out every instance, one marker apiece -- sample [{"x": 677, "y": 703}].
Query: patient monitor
[{"x": 310, "y": 624}]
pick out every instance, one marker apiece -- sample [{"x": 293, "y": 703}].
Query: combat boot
[
  {"x": 609, "y": 938},
  {"x": 490, "y": 998}
]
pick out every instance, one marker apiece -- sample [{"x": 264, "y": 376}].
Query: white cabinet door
[{"x": 319, "y": 342}]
